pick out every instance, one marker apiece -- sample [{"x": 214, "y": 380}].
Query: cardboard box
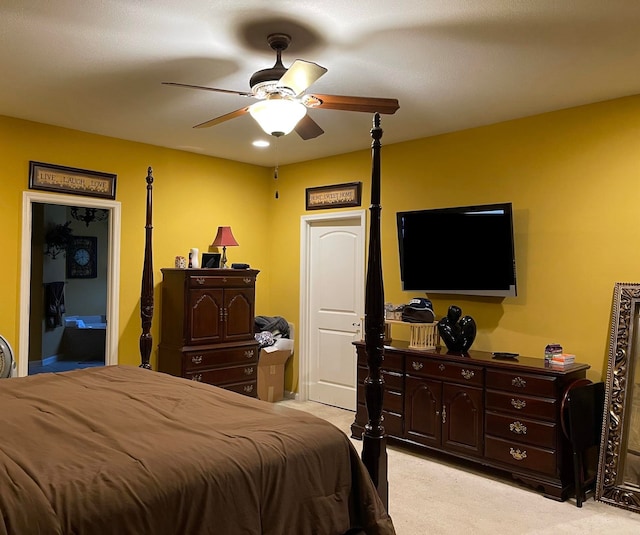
[{"x": 271, "y": 369}]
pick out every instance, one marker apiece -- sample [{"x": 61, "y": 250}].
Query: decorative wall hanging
[
  {"x": 82, "y": 257},
  {"x": 63, "y": 179},
  {"x": 57, "y": 239},
  {"x": 336, "y": 196}
]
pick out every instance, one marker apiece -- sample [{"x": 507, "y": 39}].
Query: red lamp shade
[{"x": 222, "y": 239}]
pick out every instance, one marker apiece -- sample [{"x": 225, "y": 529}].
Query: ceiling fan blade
[
  {"x": 301, "y": 75},
  {"x": 366, "y": 104},
  {"x": 307, "y": 128},
  {"x": 231, "y": 91},
  {"x": 223, "y": 118}
]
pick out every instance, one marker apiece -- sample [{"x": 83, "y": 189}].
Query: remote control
[{"x": 504, "y": 355}]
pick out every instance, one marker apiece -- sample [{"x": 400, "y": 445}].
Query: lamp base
[{"x": 223, "y": 260}]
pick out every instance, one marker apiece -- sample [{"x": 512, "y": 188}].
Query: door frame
[
  {"x": 113, "y": 269},
  {"x": 306, "y": 223}
]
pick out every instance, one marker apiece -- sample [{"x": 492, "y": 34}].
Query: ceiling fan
[{"x": 282, "y": 101}]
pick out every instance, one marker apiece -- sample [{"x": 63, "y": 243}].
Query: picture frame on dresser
[{"x": 211, "y": 260}]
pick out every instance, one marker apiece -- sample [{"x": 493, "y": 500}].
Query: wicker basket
[{"x": 424, "y": 336}]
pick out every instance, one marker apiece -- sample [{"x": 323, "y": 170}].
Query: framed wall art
[
  {"x": 82, "y": 257},
  {"x": 63, "y": 179},
  {"x": 336, "y": 196}
]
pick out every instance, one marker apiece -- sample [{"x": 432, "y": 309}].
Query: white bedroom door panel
[{"x": 336, "y": 304}]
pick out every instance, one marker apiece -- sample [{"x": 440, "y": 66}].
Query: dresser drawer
[
  {"x": 196, "y": 360},
  {"x": 451, "y": 371},
  {"x": 392, "y": 379},
  {"x": 513, "y": 403},
  {"x": 393, "y": 361},
  {"x": 521, "y": 429},
  {"x": 248, "y": 389},
  {"x": 393, "y": 399},
  {"x": 392, "y": 423},
  {"x": 390, "y": 361},
  {"x": 206, "y": 281},
  {"x": 225, "y": 375},
  {"x": 534, "y": 385},
  {"x": 521, "y": 455}
]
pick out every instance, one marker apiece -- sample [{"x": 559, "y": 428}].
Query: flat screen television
[{"x": 466, "y": 250}]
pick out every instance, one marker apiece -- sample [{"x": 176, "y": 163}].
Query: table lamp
[{"x": 223, "y": 239}]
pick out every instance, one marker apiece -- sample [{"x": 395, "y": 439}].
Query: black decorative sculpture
[{"x": 457, "y": 333}]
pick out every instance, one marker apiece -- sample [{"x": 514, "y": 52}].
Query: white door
[{"x": 335, "y": 305}]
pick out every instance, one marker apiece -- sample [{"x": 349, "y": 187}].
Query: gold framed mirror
[{"x": 618, "y": 481}]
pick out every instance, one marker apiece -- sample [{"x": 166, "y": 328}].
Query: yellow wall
[
  {"x": 192, "y": 195},
  {"x": 572, "y": 176}
]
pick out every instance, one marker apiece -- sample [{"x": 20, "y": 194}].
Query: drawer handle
[
  {"x": 248, "y": 371},
  {"x": 518, "y": 428},
  {"x": 197, "y": 377},
  {"x": 467, "y": 374},
  {"x": 247, "y": 280},
  {"x": 196, "y": 359},
  {"x": 519, "y": 382},
  {"x": 417, "y": 365},
  {"x": 200, "y": 280},
  {"x": 248, "y": 388},
  {"x": 441, "y": 367},
  {"x": 518, "y": 403},
  {"x": 518, "y": 455},
  {"x": 249, "y": 353}
]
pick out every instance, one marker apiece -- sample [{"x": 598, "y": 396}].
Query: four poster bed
[{"x": 122, "y": 449}]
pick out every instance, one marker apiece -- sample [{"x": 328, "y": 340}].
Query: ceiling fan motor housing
[{"x": 264, "y": 82}]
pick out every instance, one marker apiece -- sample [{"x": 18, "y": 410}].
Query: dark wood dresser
[
  {"x": 502, "y": 414},
  {"x": 207, "y": 329}
]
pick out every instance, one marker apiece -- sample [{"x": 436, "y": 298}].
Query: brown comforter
[{"x": 124, "y": 450}]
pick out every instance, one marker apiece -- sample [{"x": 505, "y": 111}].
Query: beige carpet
[{"x": 439, "y": 498}]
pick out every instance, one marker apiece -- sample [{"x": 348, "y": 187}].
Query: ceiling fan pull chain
[{"x": 275, "y": 170}]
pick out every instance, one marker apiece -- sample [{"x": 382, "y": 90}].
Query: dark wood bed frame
[{"x": 374, "y": 453}]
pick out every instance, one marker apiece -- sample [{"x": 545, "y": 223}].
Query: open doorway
[{"x": 68, "y": 298}]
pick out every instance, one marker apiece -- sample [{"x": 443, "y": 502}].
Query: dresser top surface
[
  {"x": 487, "y": 359},
  {"x": 212, "y": 272}
]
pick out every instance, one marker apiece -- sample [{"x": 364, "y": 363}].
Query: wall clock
[{"x": 82, "y": 257}]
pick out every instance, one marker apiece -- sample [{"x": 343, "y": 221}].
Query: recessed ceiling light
[{"x": 260, "y": 143}]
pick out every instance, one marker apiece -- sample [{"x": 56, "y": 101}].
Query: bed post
[
  {"x": 374, "y": 442},
  {"x": 146, "y": 294}
]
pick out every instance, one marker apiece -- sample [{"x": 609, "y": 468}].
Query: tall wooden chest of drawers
[
  {"x": 207, "y": 329},
  {"x": 503, "y": 414}
]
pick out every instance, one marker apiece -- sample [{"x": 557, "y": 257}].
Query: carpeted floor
[
  {"x": 62, "y": 366},
  {"x": 436, "y": 497}
]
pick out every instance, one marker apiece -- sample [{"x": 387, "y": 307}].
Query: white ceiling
[{"x": 96, "y": 65}]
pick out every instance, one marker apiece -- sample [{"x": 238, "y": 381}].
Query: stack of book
[
  {"x": 552, "y": 350},
  {"x": 563, "y": 359}
]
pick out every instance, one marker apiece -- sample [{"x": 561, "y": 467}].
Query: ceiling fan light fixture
[{"x": 276, "y": 116}]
